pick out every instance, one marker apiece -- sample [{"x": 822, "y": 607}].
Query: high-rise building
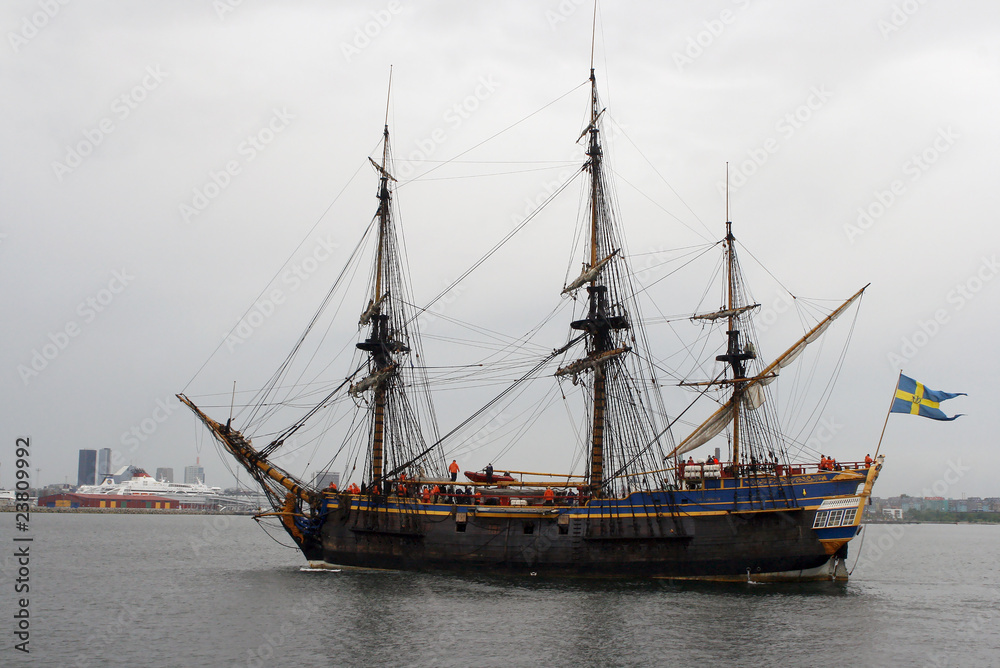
[
  {"x": 193, "y": 474},
  {"x": 103, "y": 464},
  {"x": 86, "y": 470},
  {"x": 165, "y": 474},
  {"x": 322, "y": 479}
]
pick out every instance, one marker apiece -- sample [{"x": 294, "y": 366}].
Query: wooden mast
[
  {"x": 732, "y": 322},
  {"x": 378, "y": 428},
  {"x": 736, "y": 354},
  {"x": 603, "y": 315},
  {"x": 378, "y": 344},
  {"x": 596, "y": 294}
]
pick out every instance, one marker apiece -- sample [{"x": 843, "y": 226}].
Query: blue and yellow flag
[{"x": 913, "y": 398}]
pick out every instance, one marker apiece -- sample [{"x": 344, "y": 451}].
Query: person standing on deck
[
  {"x": 453, "y": 469},
  {"x": 549, "y": 497}
]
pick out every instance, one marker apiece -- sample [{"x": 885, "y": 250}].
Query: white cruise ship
[{"x": 141, "y": 483}]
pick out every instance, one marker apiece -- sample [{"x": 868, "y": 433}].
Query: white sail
[
  {"x": 708, "y": 430},
  {"x": 754, "y": 396},
  {"x": 752, "y": 392}
]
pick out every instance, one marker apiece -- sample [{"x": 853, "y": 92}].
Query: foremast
[
  {"x": 395, "y": 435},
  {"x": 380, "y": 344}
]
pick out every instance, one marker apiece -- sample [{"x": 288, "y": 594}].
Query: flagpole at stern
[{"x": 888, "y": 413}]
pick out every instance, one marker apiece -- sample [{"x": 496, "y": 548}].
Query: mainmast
[
  {"x": 597, "y": 295},
  {"x": 600, "y": 322}
]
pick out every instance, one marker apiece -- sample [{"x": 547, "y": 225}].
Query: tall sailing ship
[{"x": 637, "y": 508}]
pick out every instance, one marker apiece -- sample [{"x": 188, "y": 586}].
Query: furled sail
[
  {"x": 371, "y": 381},
  {"x": 588, "y": 275},
  {"x": 373, "y": 308},
  {"x": 724, "y": 313},
  {"x": 589, "y": 362}
]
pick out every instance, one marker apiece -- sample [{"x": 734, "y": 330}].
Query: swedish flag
[{"x": 913, "y": 398}]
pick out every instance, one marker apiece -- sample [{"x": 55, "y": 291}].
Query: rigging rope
[{"x": 276, "y": 274}]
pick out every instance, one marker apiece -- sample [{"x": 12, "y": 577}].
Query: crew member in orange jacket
[{"x": 453, "y": 469}]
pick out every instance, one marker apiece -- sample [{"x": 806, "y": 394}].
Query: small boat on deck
[{"x": 479, "y": 476}]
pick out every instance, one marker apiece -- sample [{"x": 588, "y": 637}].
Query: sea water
[{"x": 200, "y": 590}]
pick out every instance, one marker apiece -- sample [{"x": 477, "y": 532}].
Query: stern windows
[{"x": 834, "y": 518}]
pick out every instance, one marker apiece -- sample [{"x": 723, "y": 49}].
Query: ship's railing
[
  {"x": 500, "y": 493},
  {"x": 702, "y": 470},
  {"x": 565, "y": 493}
]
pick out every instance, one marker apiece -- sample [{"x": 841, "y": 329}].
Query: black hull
[{"x": 716, "y": 546}]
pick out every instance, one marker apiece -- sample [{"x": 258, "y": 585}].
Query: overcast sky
[{"x": 165, "y": 163}]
